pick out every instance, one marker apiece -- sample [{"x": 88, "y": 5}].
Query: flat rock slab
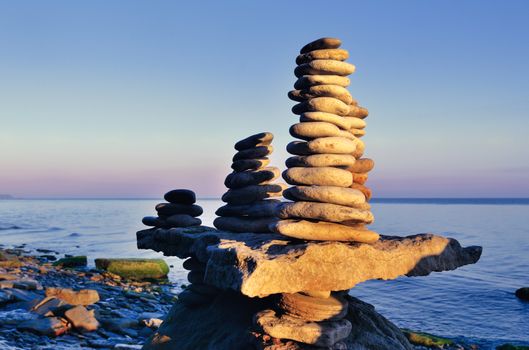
[{"x": 258, "y": 265}]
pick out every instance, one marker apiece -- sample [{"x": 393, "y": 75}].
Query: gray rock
[
  {"x": 154, "y": 221},
  {"x": 252, "y": 153},
  {"x": 49, "y": 326},
  {"x": 260, "y": 139},
  {"x": 244, "y": 224},
  {"x": 182, "y": 220},
  {"x": 250, "y": 194},
  {"x": 256, "y": 209},
  {"x": 169, "y": 209},
  {"x": 250, "y": 164},
  {"x": 247, "y": 178},
  {"x": 180, "y": 196}
]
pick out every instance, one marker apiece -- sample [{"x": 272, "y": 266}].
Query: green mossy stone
[
  {"x": 136, "y": 269},
  {"x": 426, "y": 339},
  {"x": 73, "y": 261},
  {"x": 511, "y": 347}
]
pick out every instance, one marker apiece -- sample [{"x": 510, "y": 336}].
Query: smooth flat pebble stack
[
  {"x": 329, "y": 197},
  {"x": 180, "y": 210},
  {"x": 250, "y": 205}
]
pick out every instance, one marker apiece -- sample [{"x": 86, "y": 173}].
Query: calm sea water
[{"x": 475, "y": 302}]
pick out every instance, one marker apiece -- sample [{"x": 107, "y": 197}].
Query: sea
[{"x": 475, "y": 304}]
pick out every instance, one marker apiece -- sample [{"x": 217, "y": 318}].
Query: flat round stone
[
  {"x": 154, "y": 221},
  {"x": 246, "y": 178},
  {"x": 362, "y": 188},
  {"x": 357, "y": 112},
  {"x": 331, "y": 145},
  {"x": 307, "y": 81},
  {"x": 180, "y": 196},
  {"x": 241, "y": 224},
  {"x": 169, "y": 209},
  {"x": 362, "y": 165},
  {"x": 323, "y": 231},
  {"x": 256, "y": 209},
  {"x": 321, "y": 176},
  {"x": 357, "y": 132},
  {"x": 360, "y": 148},
  {"x": 355, "y": 123},
  {"x": 250, "y": 194},
  {"x": 250, "y": 164},
  {"x": 322, "y": 104},
  {"x": 341, "y": 122},
  {"x": 360, "y": 178},
  {"x": 182, "y": 220},
  {"x": 260, "y": 139},
  {"x": 323, "y": 211},
  {"x": 313, "y": 130},
  {"x": 326, "y": 194},
  {"x": 324, "y": 67},
  {"x": 319, "y": 160},
  {"x": 196, "y": 276},
  {"x": 193, "y": 264},
  {"x": 252, "y": 153},
  {"x": 323, "y": 54},
  {"x": 322, "y": 43},
  {"x": 314, "y": 309},
  {"x": 335, "y": 91}
]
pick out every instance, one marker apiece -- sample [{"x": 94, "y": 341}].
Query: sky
[{"x": 132, "y": 98}]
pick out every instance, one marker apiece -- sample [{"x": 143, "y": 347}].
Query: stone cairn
[
  {"x": 249, "y": 207},
  {"x": 179, "y": 211},
  {"x": 329, "y": 196},
  {"x": 326, "y": 169}
]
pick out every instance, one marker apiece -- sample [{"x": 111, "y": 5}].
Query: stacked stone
[
  {"x": 179, "y": 211},
  {"x": 198, "y": 292},
  {"x": 250, "y": 186},
  {"x": 328, "y": 204}
]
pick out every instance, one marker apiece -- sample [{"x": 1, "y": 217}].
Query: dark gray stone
[
  {"x": 250, "y": 194},
  {"x": 182, "y": 220},
  {"x": 252, "y": 153},
  {"x": 247, "y": 178},
  {"x": 180, "y": 196},
  {"x": 250, "y": 164},
  {"x": 256, "y": 209},
  {"x": 260, "y": 139},
  {"x": 169, "y": 209}
]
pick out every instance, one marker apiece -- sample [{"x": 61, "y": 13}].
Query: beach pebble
[
  {"x": 354, "y": 123},
  {"x": 182, "y": 220},
  {"x": 360, "y": 178},
  {"x": 322, "y": 104},
  {"x": 180, "y": 196},
  {"x": 339, "y": 121},
  {"x": 357, "y": 132},
  {"x": 357, "y": 112},
  {"x": 254, "y": 152},
  {"x": 81, "y": 297},
  {"x": 319, "y": 160},
  {"x": 323, "y": 54},
  {"x": 330, "y": 145},
  {"x": 169, "y": 209},
  {"x": 315, "y": 309},
  {"x": 523, "y": 293},
  {"x": 323, "y": 211},
  {"x": 193, "y": 264},
  {"x": 360, "y": 149},
  {"x": 321, "y": 176},
  {"x": 312, "y": 130},
  {"x": 335, "y": 91},
  {"x": 153, "y": 221},
  {"x": 362, "y": 188},
  {"x": 324, "y": 67},
  {"x": 246, "y": 178},
  {"x": 243, "y": 224},
  {"x": 362, "y": 165},
  {"x": 249, "y": 194},
  {"x": 82, "y": 319},
  {"x": 255, "y": 209},
  {"x": 250, "y": 164},
  {"x": 260, "y": 139},
  {"x": 196, "y": 276},
  {"x": 326, "y": 194},
  {"x": 307, "y": 81},
  {"x": 320, "y": 44},
  {"x": 323, "y": 231}
]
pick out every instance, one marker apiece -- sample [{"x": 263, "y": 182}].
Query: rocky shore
[{"x": 47, "y": 303}]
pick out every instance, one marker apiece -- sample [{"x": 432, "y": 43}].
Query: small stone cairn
[
  {"x": 179, "y": 211},
  {"x": 327, "y": 168},
  {"x": 249, "y": 207}
]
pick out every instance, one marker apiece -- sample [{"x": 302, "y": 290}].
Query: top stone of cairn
[{"x": 320, "y": 44}]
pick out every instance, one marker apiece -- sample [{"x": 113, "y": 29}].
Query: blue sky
[{"x": 131, "y": 98}]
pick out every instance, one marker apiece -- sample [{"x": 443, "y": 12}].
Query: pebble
[
  {"x": 360, "y": 148},
  {"x": 319, "y": 160},
  {"x": 250, "y": 164},
  {"x": 249, "y": 194},
  {"x": 196, "y": 276},
  {"x": 329, "y": 145},
  {"x": 260, "y": 139},
  {"x": 312, "y": 130},
  {"x": 81, "y": 318},
  {"x": 314, "y": 309},
  {"x": 154, "y": 221},
  {"x": 523, "y": 293},
  {"x": 322, "y": 104},
  {"x": 323, "y": 211},
  {"x": 323, "y": 231},
  {"x": 362, "y": 165},
  {"x": 182, "y": 220},
  {"x": 321, "y": 176},
  {"x": 324, "y": 67},
  {"x": 307, "y": 81},
  {"x": 354, "y": 123},
  {"x": 326, "y": 194},
  {"x": 194, "y": 264},
  {"x": 246, "y": 178},
  {"x": 357, "y": 132},
  {"x": 252, "y": 153},
  {"x": 344, "y": 123},
  {"x": 242, "y": 224},
  {"x": 169, "y": 209},
  {"x": 335, "y": 91},
  {"x": 323, "y": 54},
  {"x": 357, "y": 112},
  {"x": 81, "y": 297},
  {"x": 322, "y": 43},
  {"x": 180, "y": 196},
  {"x": 360, "y": 178},
  {"x": 255, "y": 209},
  {"x": 362, "y": 188}
]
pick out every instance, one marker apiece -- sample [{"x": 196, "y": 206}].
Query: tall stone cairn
[
  {"x": 180, "y": 210},
  {"x": 249, "y": 207},
  {"x": 327, "y": 171}
]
